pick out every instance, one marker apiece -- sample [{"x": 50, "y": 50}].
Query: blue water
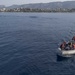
[{"x": 29, "y": 42}]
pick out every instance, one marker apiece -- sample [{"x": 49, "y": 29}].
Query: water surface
[{"x": 29, "y": 42}]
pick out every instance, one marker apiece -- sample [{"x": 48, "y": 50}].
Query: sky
[{"x": 19, "y": 2}]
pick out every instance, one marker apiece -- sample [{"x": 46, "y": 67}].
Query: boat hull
[{"x": 66, "y": 53}]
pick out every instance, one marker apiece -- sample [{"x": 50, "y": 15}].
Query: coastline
[{"x": 36, "y": 10}]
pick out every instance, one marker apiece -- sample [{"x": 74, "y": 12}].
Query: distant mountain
[
  {"x": 2, "y": 6},
  {"x": 14, "y": 6},
  {"x": 51, "y": 5}
]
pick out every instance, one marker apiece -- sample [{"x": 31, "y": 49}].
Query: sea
[{"x": 29, "y": 43}]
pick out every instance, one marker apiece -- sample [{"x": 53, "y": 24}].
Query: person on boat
[
  {"x": 70, "y": 45},
  {"x": 74, "y": 46},
  {"x": 62, "y": 46},
  {"x": 73, "y": 38},
  {"x": 67, "y": 47}
]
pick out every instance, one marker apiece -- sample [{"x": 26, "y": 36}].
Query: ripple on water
[{"x": 28, "y": 43}]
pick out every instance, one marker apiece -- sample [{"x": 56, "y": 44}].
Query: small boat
[
  {"x": 67, "y": 49},
  {"x": 65, "y": 53}
]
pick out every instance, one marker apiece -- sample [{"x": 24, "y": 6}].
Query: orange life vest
[{"x": 74, "y": 46}]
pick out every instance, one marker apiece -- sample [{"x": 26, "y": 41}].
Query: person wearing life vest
[
  {"x": 74, "y": 46},
  {"x": 62, "y": 46},
  {"x": 73, "y": 38}
]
